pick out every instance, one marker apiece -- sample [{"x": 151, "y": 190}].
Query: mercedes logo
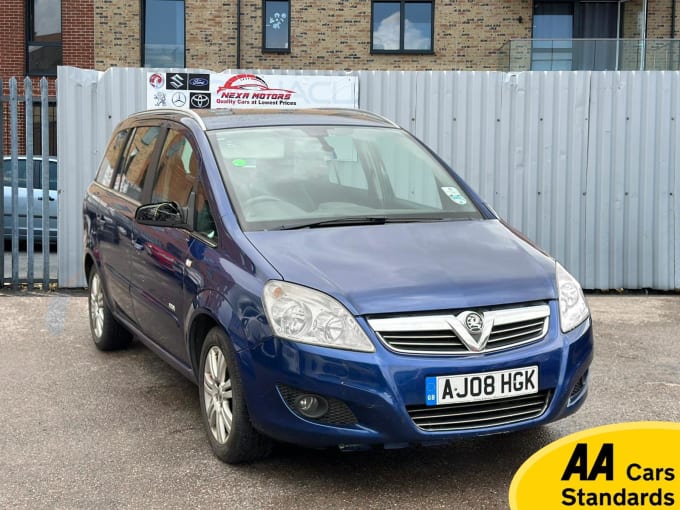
[
  {"x": 200, "y": 101},
  {"x": 474, "y": 322},
  {"x": 179, "y": 99}
]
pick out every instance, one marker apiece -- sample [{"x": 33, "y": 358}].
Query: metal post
[
  {"x": 2, "y": 196},
  {"x": 618, "y": 33},
  {"x": 14, "y": 172},
  {"x": 238, "y": 34},
  {"x": 643, "y": 45},
  {"x": 45, "y": 144},
  {"x": 28, "y": 101}
]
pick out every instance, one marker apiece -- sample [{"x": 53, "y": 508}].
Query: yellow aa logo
[{"x": 629, "y": 465}]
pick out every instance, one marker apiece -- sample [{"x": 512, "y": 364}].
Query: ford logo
[{"x": 198, "y": 82}]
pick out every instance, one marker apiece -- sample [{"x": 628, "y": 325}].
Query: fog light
[{"x": 311, "y": 406}]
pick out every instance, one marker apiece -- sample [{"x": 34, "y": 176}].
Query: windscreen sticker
[
  {"x": 243, "y": 163},
  {"x": 454, "y": 195}
]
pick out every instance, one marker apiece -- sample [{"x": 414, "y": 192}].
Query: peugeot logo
[
  {"x": 200, "y": 100},
  {"x": 179, "y": 99},
  {"x": 474, "y": 322},
  {"x": 198, "y": 82}
]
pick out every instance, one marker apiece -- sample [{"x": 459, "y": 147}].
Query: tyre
[
  {"x": 107, "y": 333},
  {"x": 223, "y": 408}
]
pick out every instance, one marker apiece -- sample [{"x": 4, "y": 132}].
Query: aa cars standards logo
[{"x": 629, "y": 465}]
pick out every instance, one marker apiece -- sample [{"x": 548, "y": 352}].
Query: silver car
[{"x": 37, "y": 198}]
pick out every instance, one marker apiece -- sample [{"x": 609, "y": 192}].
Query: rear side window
[
  {"x": 110, "y": 161},
  {"x": 135, "y": 164},
  {"x": 177, "y": 169}
]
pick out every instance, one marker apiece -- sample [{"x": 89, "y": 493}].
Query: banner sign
[{"x": 212, "y": 90}]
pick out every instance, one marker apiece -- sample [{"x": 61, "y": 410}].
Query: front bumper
[{"x": 381, "y": 388}]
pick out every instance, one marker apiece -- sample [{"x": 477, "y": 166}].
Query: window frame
[
  {"x": 29, "y": 41},
  {"x": 265, "y": 48},
  {"x": 402, "y": 22},
  {"x": 142, "y": 35}
]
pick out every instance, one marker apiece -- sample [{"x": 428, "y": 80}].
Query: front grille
[
  {"x": 339, "y": 414},
  {"x": 437, "y": 334},
  {"x": 479, "y": 414}
]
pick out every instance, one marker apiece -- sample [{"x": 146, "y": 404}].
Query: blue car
[{"x": 327, "y": 281}]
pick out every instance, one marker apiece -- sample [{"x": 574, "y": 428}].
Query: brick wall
[
  {"x": 468, "y": 35},
  {"x": 77, "y": 50},
  {"x": 117, "y": 25},
  {"x": 77, "y": 33}
]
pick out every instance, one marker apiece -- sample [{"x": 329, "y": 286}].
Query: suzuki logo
[{"x": 177, "y": 81}]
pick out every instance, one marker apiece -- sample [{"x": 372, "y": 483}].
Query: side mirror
[{"x": 164, "y": 214}]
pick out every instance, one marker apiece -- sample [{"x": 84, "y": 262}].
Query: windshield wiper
[{"x": 359, "y": 220}]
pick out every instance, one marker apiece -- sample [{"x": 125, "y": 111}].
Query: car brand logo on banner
[
  {"x": 176, "y": 81},
  {"x": 179, "y": 99},
  {"x": 199, "y": 100},
  {"x": 199, "y": 81}
]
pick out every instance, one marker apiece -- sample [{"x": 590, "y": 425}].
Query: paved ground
[{"x": 84, "y": 429}]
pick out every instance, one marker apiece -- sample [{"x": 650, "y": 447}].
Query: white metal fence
[{"x": 584, "y": 163}]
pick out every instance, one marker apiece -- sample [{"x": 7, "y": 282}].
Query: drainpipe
[
  {"x": 673, "y": 19},
  {"x": 618, "y": 33},
  {"x": 238, "y": 34},
  {"x": 643, "y": 46}
]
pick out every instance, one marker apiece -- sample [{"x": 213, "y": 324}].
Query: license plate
[{"x": 458, "y": 389}]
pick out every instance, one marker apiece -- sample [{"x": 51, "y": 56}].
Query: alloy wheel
[
  {"x": 217, "y": 394},
  {"x": 96, "y": 306}
]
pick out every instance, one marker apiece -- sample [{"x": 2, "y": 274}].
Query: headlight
[
  {"x": 573, "y": 307},
  {"x": 304, "y": 315}
]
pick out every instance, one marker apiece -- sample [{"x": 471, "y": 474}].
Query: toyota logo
[
  {"x": 179, "y": 99},
  {"x": 200, "y": 101},
  {"x": 474, "y": 322}
]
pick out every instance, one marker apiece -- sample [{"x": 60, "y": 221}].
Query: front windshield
[{"x": 308, "y": 176}]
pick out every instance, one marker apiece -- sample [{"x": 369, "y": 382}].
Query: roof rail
[
  {"x": 370, "y": 114},
  {"x": 175, "y": 111}
]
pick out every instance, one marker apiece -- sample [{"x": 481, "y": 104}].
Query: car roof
[{"x": 228, "y": 118}]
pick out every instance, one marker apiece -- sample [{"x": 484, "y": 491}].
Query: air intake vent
[{"x": 479, "y": 414}]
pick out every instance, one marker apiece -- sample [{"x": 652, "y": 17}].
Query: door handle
[{"x": 51, "y": 199}]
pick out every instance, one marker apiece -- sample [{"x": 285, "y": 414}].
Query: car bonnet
[{"x": 410, "y": 267}]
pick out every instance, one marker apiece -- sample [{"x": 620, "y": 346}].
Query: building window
[
  {"x": 276, "y": 26},
  {"x": 163, "y": 30},
  {"x": 52, "y": 128},
  {"x": 402, "y": 26},
  {"x": 43, "y": 37},
  {"x": 576, "y": 35}
]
